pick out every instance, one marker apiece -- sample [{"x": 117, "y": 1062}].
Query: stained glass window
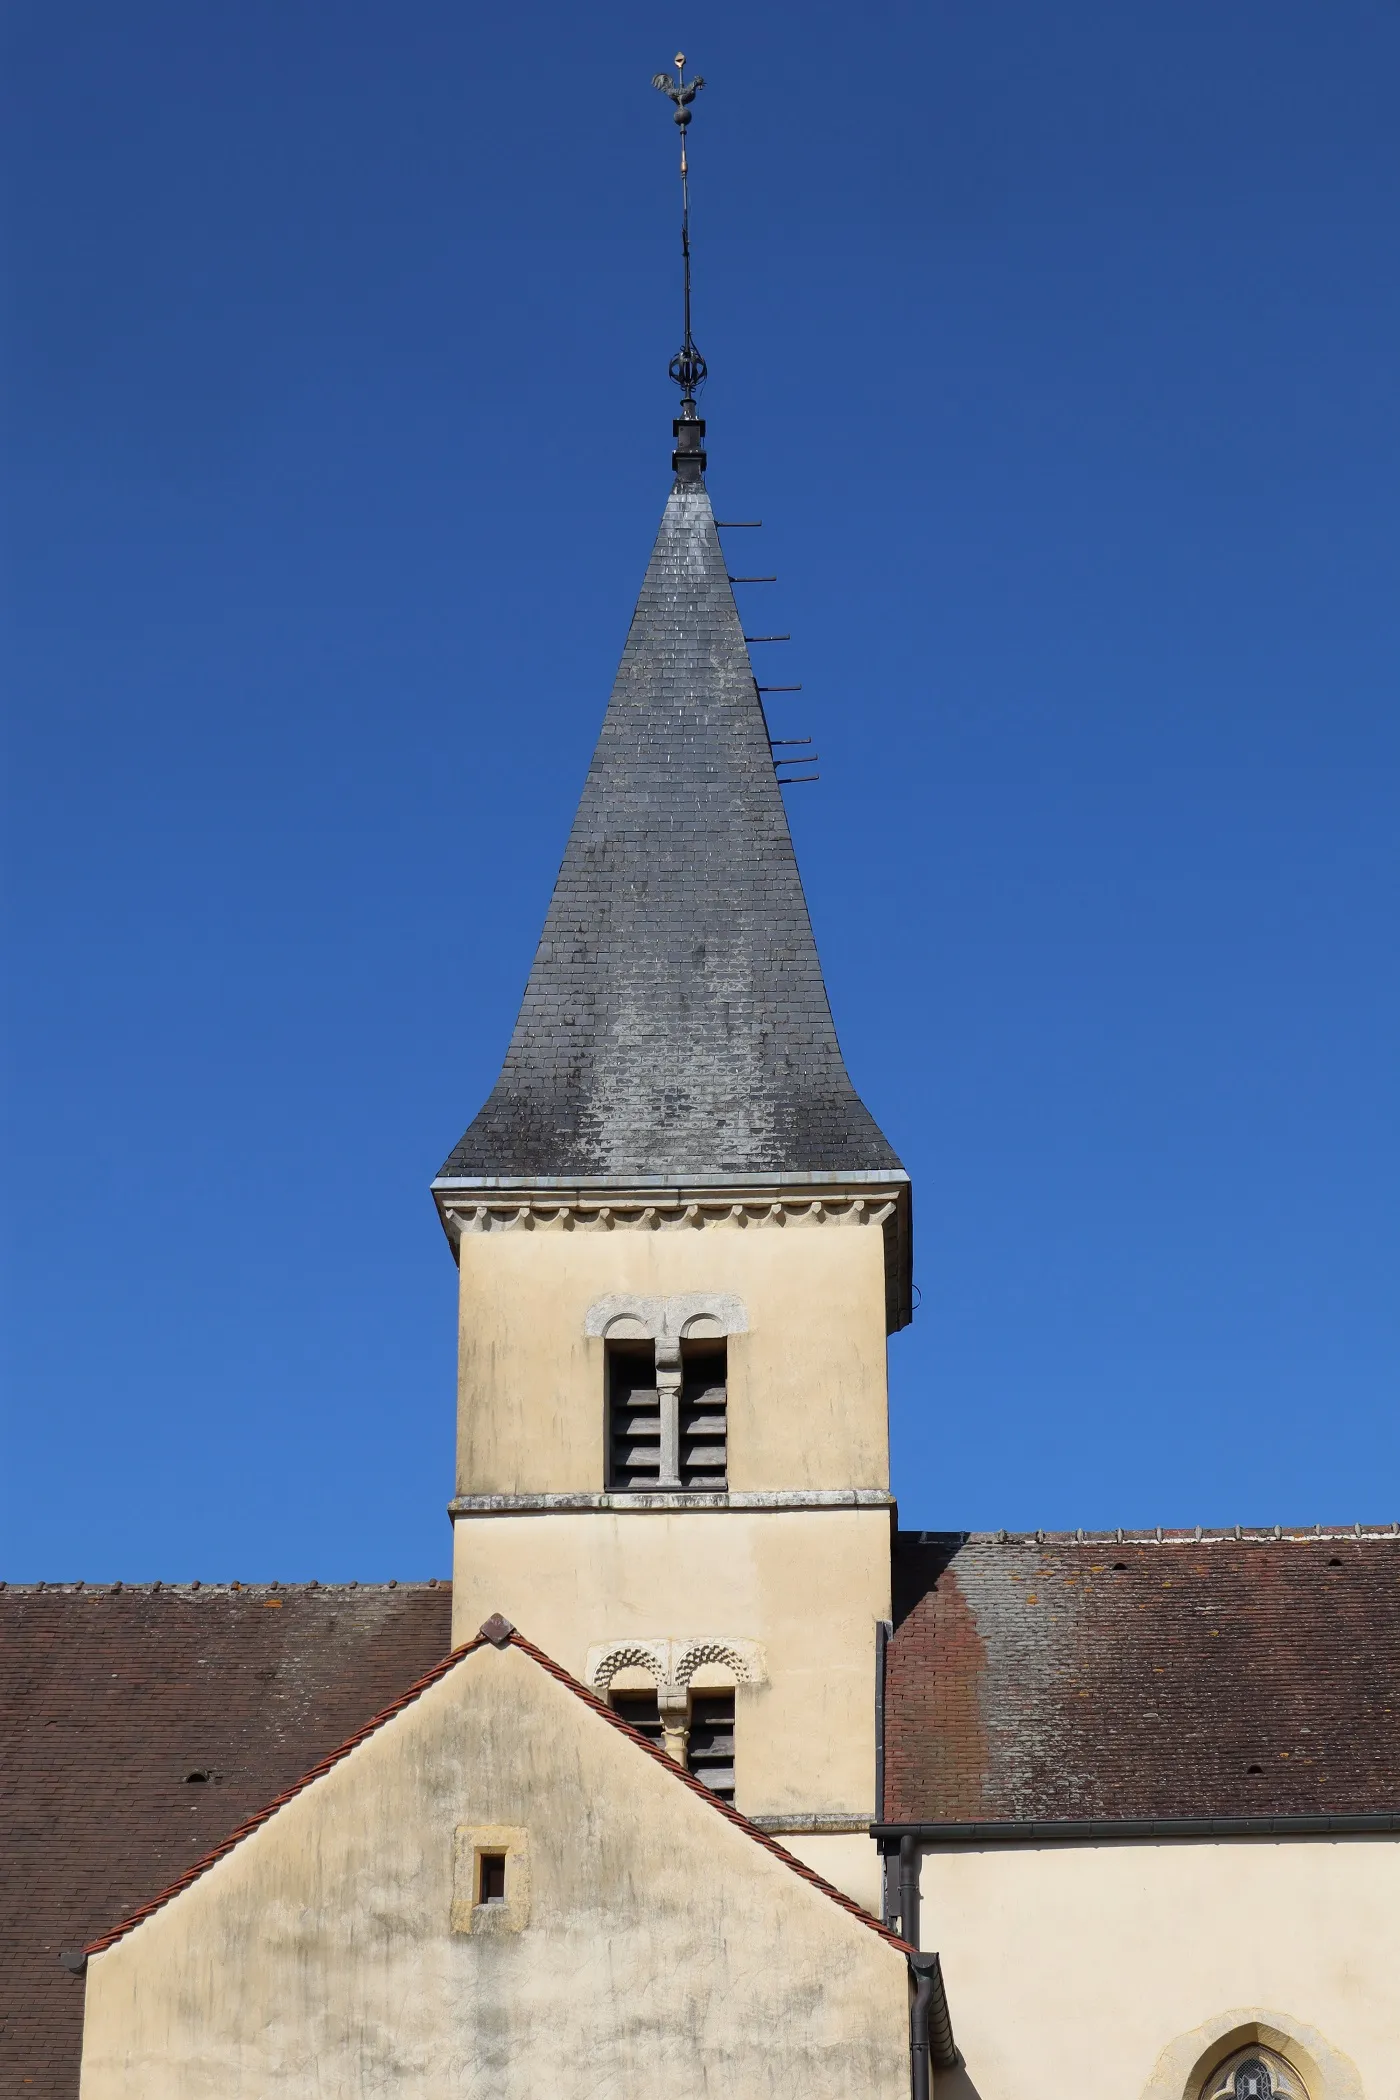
[{"x": 1254, "y": 2073}]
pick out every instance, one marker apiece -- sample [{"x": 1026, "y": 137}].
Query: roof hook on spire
[{"x": 687, "y": 366}]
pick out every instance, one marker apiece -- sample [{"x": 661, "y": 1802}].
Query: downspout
[
  {"x": 930, "y": 2026},
  {"x": 909, "y": 1890},
  {"x": 921, "y": 1968},
  {"x": 883, "y": 1630}
]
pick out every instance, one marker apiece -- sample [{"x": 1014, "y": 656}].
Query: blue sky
[{"x": 1057, "y": 348}]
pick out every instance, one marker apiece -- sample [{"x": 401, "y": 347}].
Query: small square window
[{"x": 490, "y": 1878}]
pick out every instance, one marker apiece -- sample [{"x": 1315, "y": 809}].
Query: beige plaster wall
[
  {"x": 848, "y": 1860},
  {"x": 660, "y": 1949},
  {"x": 806, "y": 1585},
  {"x": 807, "y": 1393},
  {"x": 1107, "y": 1972}
]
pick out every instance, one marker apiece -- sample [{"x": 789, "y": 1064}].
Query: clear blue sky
[{"x": 1058, "y": 349}]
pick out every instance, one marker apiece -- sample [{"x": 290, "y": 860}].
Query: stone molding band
[
  {"x": 679, "y": 1502},
  {"x": 813, "y": 1826}
]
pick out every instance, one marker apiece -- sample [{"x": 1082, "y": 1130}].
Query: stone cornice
[
  {"x": 679, "y": 1503},
  {"x": 836, "y": 1824},
  {"x": 472, "y": 1204}
]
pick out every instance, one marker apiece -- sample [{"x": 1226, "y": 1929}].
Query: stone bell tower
[{"x": 682, "y": 1242}]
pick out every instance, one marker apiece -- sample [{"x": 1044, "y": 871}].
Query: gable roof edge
[
  {"x": 201, "y": 1866},
  {"x": 697, "y": 1787},
  {"x": 414, "y": 1692}
]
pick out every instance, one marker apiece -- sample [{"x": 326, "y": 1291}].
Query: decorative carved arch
[
  {"x": 740, "y": 1657},
  {"x": 634, "y": 1655},
  {"x": 674, "y": 1663},
  {"x": 719, "y": 1312}
]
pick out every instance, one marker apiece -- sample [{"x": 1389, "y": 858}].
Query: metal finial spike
[{"x": 687, "y": 366}]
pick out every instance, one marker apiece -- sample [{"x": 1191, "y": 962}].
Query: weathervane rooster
[{"x": 681, "y": 91}]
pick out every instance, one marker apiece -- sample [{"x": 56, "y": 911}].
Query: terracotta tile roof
[
  {"x": 109, "y": 1700},
  {"x": 1114, "y": 1678},
  {"x": 501, "y": 1634}
]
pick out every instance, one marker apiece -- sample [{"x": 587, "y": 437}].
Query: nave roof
[{"x": 1143, "y": 1676}]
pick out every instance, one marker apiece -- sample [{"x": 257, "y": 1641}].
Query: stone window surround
[
  {"x": 1285, "y": 2081},
  {"x": 469, "y": 1841},
  {"x": 689, "y": 1316},
  {"x": 672, "y": 1666},
  {"x": 1186, "y": 2064}
]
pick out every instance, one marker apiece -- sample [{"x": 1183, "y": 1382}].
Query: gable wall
[{"x": 664, "y": 1948}]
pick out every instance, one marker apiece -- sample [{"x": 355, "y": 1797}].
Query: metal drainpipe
[
  {"x": 909, "y": 1890},
  {"x": 883, "y": 1630},
  {"x": 924, "y": 1969}
]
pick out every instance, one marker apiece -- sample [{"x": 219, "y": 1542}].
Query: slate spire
[{"x": 675, "y": 1026}]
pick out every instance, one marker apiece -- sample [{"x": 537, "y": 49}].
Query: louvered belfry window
[
  {"x": 640, "y": 1711},
  {"x": 667, "y": 1417},
  {"x": 704, "y": 1426},
  {"x": 710, "y": 1750},
  {"x": 634, "y": 1417}
]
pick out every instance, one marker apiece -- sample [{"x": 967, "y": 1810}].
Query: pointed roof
[{"x": 675, "y": 1023}]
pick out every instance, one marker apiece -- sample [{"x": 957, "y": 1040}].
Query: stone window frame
[
  {"x": 1284, "y": 2079},
  {"x": 489, "y": 1920}
]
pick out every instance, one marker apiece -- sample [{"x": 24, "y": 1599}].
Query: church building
[{"x": 702, "y": 1777}]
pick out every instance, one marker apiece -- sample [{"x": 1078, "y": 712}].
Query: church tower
[{"x": 682, "y": 1241}]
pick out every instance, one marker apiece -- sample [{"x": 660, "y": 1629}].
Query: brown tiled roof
[
  {"x": 501, "y": 1634},
  {"x": 1135, "y": 1678},
  {"x": 109, "y": 1700}
]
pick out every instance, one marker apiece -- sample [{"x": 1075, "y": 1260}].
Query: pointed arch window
[{"x": 1254, "y": 2073}]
